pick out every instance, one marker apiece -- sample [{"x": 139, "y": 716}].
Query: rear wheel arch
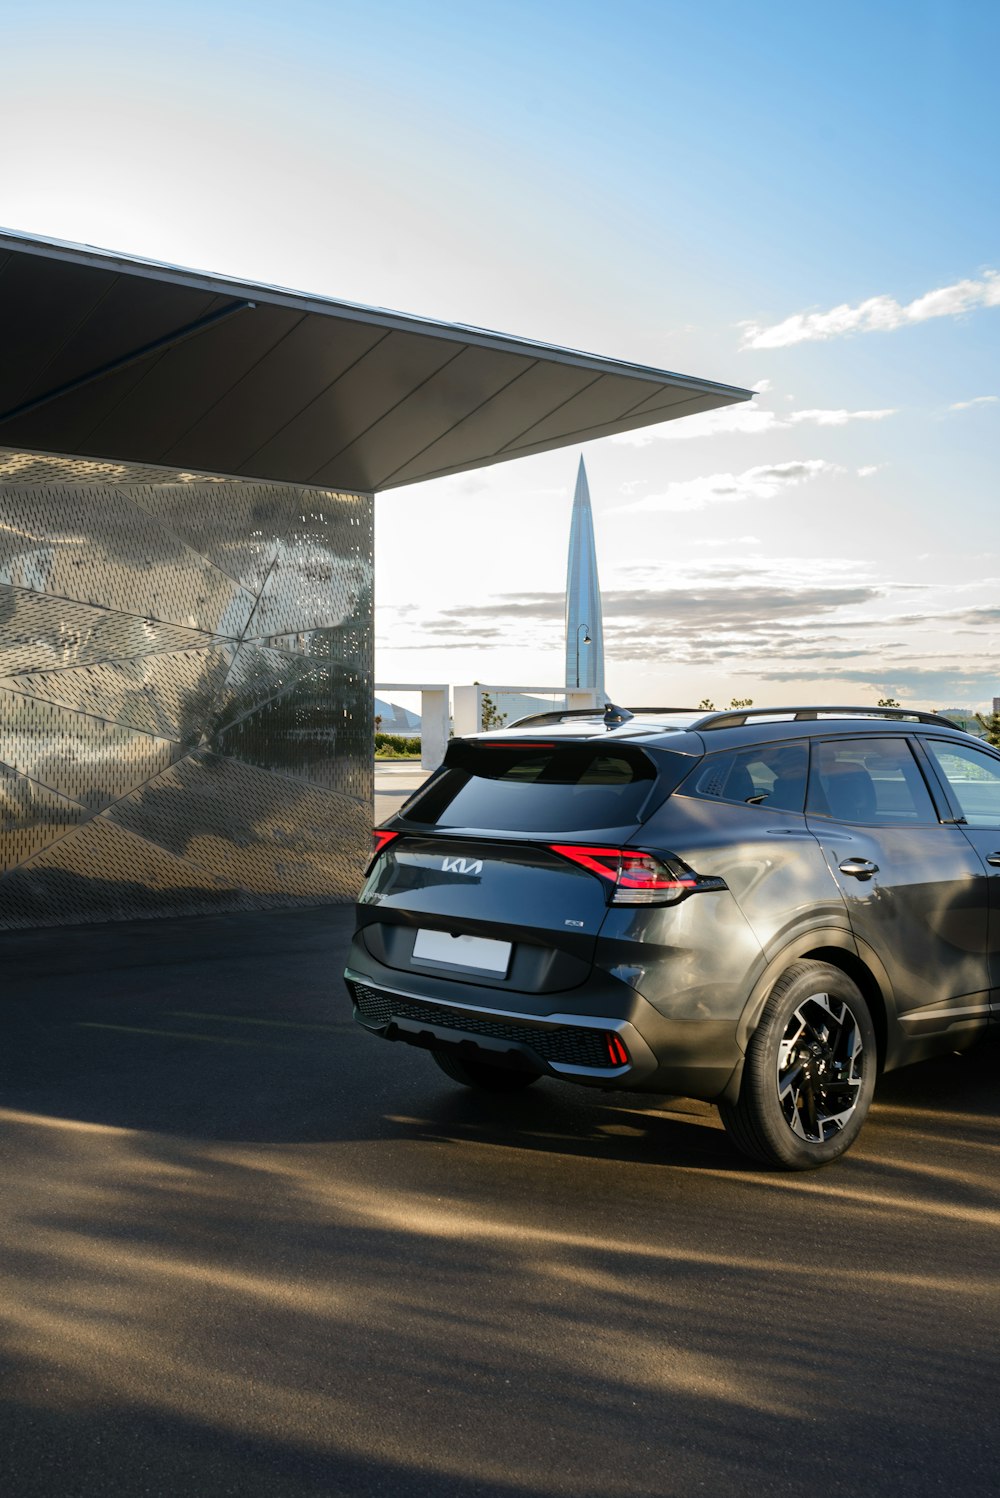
[
  {"x": 837, "y": 948},
  {"x": 871, "y": 989}
]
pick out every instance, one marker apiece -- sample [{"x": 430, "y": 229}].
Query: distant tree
[
  {"x": 490, "y": 714},
  {"x": 990, "y": 724},
  {"x": 708, "y": 707},
  {"x": 378, "y": 722},
  {"x": 741, "y": 702},
  {"x": 889, "y": 702}
]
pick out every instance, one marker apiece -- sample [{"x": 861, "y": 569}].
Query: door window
[
  {"x": 874, "y": 782},
  {"x": 974, "y": 779}
]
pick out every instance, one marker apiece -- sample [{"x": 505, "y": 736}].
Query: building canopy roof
[{"x": 116, "y": 358}]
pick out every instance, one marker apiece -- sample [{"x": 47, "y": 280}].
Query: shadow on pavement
[{"x": 249, "y": 1250}]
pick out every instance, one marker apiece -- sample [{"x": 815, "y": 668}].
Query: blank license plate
[{"x": 462, "y": 951}]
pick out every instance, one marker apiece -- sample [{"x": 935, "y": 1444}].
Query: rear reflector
[
  {"x": 635, "y": 877},
  {"x": 617, "y": 1054}
]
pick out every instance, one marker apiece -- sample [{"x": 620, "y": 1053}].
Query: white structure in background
[
  {"x": 584, "y": 621},
  {"x": 434, "y": 717},
  {"x": 469, "y": 702}
]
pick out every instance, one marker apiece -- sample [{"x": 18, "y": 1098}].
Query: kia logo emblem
[{"x": 462, "y": 865}]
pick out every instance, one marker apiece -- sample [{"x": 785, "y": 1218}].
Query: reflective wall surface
[{"x": 185, "y": 692}]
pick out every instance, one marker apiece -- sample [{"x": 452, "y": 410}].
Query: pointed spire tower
[{"x": 584, "y": 624}]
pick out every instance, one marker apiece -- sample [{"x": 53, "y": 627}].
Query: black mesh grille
[{"x": 571, "y": 1044}]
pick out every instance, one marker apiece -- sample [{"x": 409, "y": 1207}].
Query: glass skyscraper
[{"x": 584, "y": 623}]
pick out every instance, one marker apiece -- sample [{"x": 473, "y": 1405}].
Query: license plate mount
[{"x": 480, "y": 954}]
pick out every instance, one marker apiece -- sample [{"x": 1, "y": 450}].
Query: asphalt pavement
[
  {"x": 395, "y": 782},
  {"x": 249, "y": 1250}
]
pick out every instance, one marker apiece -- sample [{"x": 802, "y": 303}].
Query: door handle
[
  {"x": 994, "y": 859},
  {"x": 861, "y": 868}
]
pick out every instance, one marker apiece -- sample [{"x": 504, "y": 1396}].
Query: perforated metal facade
[{"x": 185, "y": 692}]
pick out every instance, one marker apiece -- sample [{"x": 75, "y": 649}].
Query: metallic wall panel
[
  {"x": 270, "y": 836},
  {"x": 340, "y": 643},
  {"x": 315, "y": 730},
  {"x": 165, "y": 694},
  {"x": 49, "y": 634},
  {"x": 102, "y": 872},
  {"x": 185, "y": 692},
  {"x": 313, "y": 584},
  {"x": 93, "y": 545},
  {"x": 31, "y": 817},
  {"x": 57, "y": 468},
  {"x": 257, "y": 675},
  {"x": 85, "y": 758},
  {"x": 237, "y": 526}
]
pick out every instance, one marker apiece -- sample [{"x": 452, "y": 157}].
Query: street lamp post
[{"x": 579, "y": 642}]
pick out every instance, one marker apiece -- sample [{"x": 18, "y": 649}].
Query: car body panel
[{"x": 771, "y": 861}]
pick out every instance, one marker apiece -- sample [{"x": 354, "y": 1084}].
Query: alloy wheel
[{"x": 820, "y": 1068}]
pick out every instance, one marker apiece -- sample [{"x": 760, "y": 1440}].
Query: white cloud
[
  {"x": 763, "y": 482},
  {"x": 836, "y": 418},
  {"x": 870, "y": 468},
  {"x": 745, "y": 419},
  {"x": 733, "y": 541},
  {"x": 977, "y": 400},
  {"x": 879, "y": 314}
]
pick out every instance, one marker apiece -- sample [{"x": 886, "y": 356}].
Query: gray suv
[{"x": 762, "y": 909}]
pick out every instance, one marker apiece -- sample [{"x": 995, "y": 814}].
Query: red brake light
[
  {"x": 381, "y": 840},
  {"x": 603, "y": 861},
  {"x": 638, "y": 878}
]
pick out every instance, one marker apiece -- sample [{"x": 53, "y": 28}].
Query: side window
[
  {"x": 768, "y": 775},
  {"x": 875, "y": 782},
  {"x": 974, "y": 779}
]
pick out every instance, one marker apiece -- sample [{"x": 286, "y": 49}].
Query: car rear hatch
[{"x": 470, "y": 885}]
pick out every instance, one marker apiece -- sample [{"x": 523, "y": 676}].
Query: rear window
[{"x": 539, "y": 787}]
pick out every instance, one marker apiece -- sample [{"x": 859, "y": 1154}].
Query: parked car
[{"x": 762, "y": 909}]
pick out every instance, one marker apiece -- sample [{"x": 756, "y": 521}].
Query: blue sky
[{"x": 799, "y": 198}]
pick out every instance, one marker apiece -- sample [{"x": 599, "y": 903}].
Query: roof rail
[
  {"x": 805, "y": 714},
  {"x": 558, "y": 715},
  {"x": 561, "y": 714}
]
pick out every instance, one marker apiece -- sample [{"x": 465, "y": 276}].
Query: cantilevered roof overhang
[{"x": 110, "y": 357}]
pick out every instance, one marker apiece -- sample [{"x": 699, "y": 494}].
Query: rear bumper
[{"x": 693, "y": 1058}]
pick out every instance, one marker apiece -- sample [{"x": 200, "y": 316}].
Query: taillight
[
  {"x": 381, "y": 840},
  {"x": 635, "y": 877}
]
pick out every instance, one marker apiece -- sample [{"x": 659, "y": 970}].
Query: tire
[
  {"x": 809, "y": 1073},
  {"x": 482, "y": 1075}
]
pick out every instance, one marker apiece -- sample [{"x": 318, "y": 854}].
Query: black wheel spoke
[{"x": 809, "y": 1109}]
